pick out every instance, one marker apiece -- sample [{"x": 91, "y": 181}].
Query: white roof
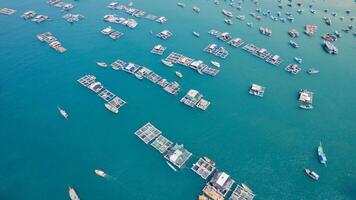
[
  {"x": 175, "y": 155},
  {"x": 192, "y": 93},
  {"x": 222, "y": 179}
]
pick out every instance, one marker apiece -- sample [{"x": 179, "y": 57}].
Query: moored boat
[
  {"x": 112, "y": 108},
  {"x": 100, "y": 173},
  {"x": 196, "y": 34},
  {"x": 167, "y": 63},
  {"x": 321, "y": 154},
  {"x": 228, "y": 21},
  {"x": 312, "y": 71},
  {"x": 102, "y": 64},
  {"x": 63, "y": 112},
  {"x": 171, "y": 166},
  {"x": 306, "y": 107},
  {"x": 293, "y": 43},
  {"x": 298, "y": 60},
  {"x": 180, "y": 75},
  {"x": 216, "y": 64},
  {"x": 73, "y": 194},
  {"x": 330, "y": 48},
  {"x": 312, "y": 174}
]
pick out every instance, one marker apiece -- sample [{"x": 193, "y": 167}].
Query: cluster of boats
[{"x": 322, "y": 159}]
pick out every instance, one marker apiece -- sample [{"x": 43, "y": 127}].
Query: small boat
[
  {"x": 73, "y": 194},
  {"x": 294, "y": 44},
  {"x": 171, "y": 166},
  {"x": 100, "y": 173},
  {"x": 182, "y": 5},
  {"x": 306, "y": 107},
  {"x": 63, "y": 112},
  {"x": 312, "y": 174},
  {"x": 228, "y": 21},
  {"x": 180, "y": 75},
  {"x": 321, "y": 154},
  {"x": 139, "y": 76},
  {"x": 196, "y": 9},
  {"x": 298, "y": 60},
  {"x": 167, "y": 63},
  {"x": 102, "y": 64},
  {"x": 312, "y": 71},
  {"x": 216, "y": 64},
  {"x": 196, "y": 34},
  {"x": 112, "y": 108}
]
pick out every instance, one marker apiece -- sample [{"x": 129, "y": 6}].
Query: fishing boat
[
  {"x": 312, "y": 71},
  {"x": 298, "y": 60},
  {"x": 306, "y": 107},
  {"x": 167, "y": 63},
  {"x": 321, "y": 154},
  {"x": 171, "y": 166},
  {"x": 227, "y": 13},
  {"x": 312, "y": 174},
  {"x": 180, "y": 75},
  {"x": 100, "y": 173},
  {"x": 196, "y": 34},
  {"x": 196, "y": 9},
  {"x": 73, "y": 194},
  {"x": 112, "y": 108},
  {"x": 102, "y": 64},
  {"x": 63, "y": 112},
  {"x": 216, "y": 64},
  {"x": 330, "y": 48}
]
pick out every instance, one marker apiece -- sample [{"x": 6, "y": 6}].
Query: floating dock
[
  {"x": 131, "y": 23},
  {"x": 178, "y": 155},
  {"x": 204, "y": 167},
  {"x": 162, "y": 144},
  {"x": 148, "y": 133},
  {"x": 194, "y": 99},
  {"x": 306, "y": 96},
  {"x": 212, "y": 193},
  {"x": 222, "y": 182},
  {"x": 226, "y": 37},
  {"x": 293, "y": 68}
]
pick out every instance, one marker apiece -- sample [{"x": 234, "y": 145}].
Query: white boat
[
  {"x": 312, "y": 71},
  {"x": 306, "y": 107},
  {"x": 73, "y": 194},
  {"x": 216, "y": 64},
  {"x": 298, "y": 60},
  {"x": 171, "y": 166},
  {"x": 100, "y": 173},
  {"x": 181, "y": 4},
  {"x": 112, "y": 108},
  {"x": 167, "y": 63},
  {"x": 102, "y": 64},
  {"x": 312, "y": 174},
  {"x": 180, "y": 75},
  {"x": 63, "y": 112},
  {"x": 196, "y": 34}
]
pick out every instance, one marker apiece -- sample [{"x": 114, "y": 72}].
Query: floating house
[
  {"x": 222, "y": 182},
  {"x": 257, "y": 90},
  {"x": 158, "y": 49},
  {"x": 165, "y": 34},
  {"x": 306, "y": 96}
]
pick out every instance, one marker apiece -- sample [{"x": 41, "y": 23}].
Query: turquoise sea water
[{"x": 263, "y": 142}]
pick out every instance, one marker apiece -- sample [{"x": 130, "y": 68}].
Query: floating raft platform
[
  {"x": 118, "y": 64},
  {"x": 162, "y": 144},
  {"x": 178, "y": 155},
  {"x": 222, "y": 182},
  {"x": 165, "y": 34},
  {"x": 216, "y": 50},
  {"x": 89, "y": 81},
  {"x": 154, "y": 78},
  {"x": 263, "y": 54},
  {"x": 204, "y": 167},
  {"x": 242, "y": 192},
  {"x": 194, "y": 99},
  {"x": 257, "y": 90},
  {"x": 196, "y": 65},
  {"x": 51, "y": 41},
  {"x": 148, "y": 133},
  {"x": 212, "y": 193},
  {"x": 7, "y": 11},
  {"x": 226, "y": 37},
  {"x": 158, "y": 49}
]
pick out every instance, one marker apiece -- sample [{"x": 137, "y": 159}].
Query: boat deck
[
  {"x": 147, "y": 133},
  {"x": 204, "y": 167},
  {"x": 162, "y": 144}
]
